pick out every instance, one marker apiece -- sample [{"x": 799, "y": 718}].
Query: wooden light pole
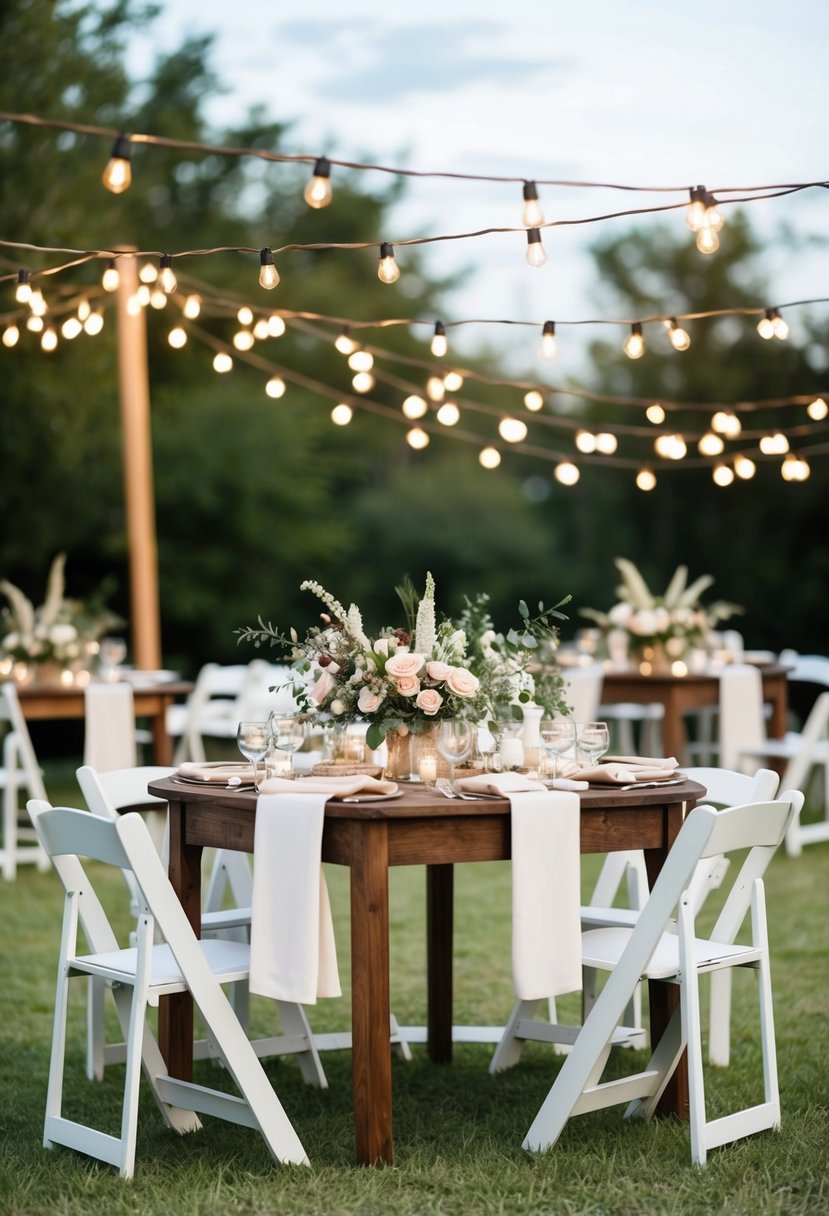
[{"x": 139, "y": 499}]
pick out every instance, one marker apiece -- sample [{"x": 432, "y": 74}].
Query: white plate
[
  {"x": 367, "y": 797},
  {"x": 148, "y": 677}
]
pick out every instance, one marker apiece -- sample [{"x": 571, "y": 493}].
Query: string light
[
  {"x": 726, "y": 422},
  {"x": 361, "y": 360},
  {"x": 744, "y": 467},
  {"x": 655, "y": 414},
  {"x": 513, "y": 430},
  {"x": 34, "y": 324},
  {"x": 23, "y": 291},
  {"x": 710, "y": 444},
  {"x": 670, "y": 447},
  {"x": 414, "y": 407},
  {"x": 774, "y": 445},
  {"x": 158, "y": 298},
  {"x": 452, "y": 382},
  {"x": 143, "y": 295},
  {"x": 49, "y": 339},
  {"x": 11, "y": 336},
  {"x": 118, "y": 172},
  {"x": 532, "y": 215},
  {"x": 772, "y": 325},
  {"x": 566, "y": 473},
  {"x": 268, "y": 274},
  {"x": 166, "y": 277},
  {"x": 94, "y": 323},
  {"x": 243, "y": 339},
  {"x": 318, "y": 192},
  {"x": 37, "y": 303},
  {"x": 111, "y": 277},
  {"x": 84, "y": 309},
  {"x": 780, "y": 327},
  {"x": 276, "y": 326},
  {"x": 435, "y": 388},
  {"x": 275, "y": 387},
  {"x": 222, "y": 363},
  {"x": 534, "y": 400},
  {"x": 794, "y": 468},
  {"x": 177, "y": 337},
  {"x": 680, "y": 338},
  {"x": 536, "y": 254},
  {"x": 695, "y": 215},
  {"x": 646, "y": 480},
  {"x": 363, "y": 382},
  {"x": 704, "y": 219},
  {"x": 817, "y": 409},
  {"x": 439, "y": 344},
  {"x": 606, "y": 443},
  {"x": 722, "y": 475},
  {"x": 448, "y": 414},
  {"x": 635, "y": 343},
  {"x": 342, "y": 414},
  {"x": 585, "y": 441},
  {"x": 260, "y": 330},
  {"x": 417, "y": 438},
  {"x": 387, "y": 271},
  {"x": 70, "y": 328},
  {"x": 549, "y": 346},
  {"x": 489, "y": 458},
  {"x": 192, "y": 307},
  {"x": 148, "y": 273},
  {"x": 244, "y": 315},
  {"x": 344, "y": 343}
]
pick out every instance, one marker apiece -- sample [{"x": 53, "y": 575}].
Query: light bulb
[
  {"x": 361, "y": 360},
  {"x": 765, "y": 326},
  {"x": 635, "y": 342},
  {"x": 774, "y": 445},
  {"x": 158, "y": 298},
  {"x": 387, "y": 271},
  {"x": 318, "y": 192},
  {"x": 655, "y": 413},
  {"x": 566, "y": 473},
  {"x": 536, "y": 254},
  {"x": 606, "y": 443},
  {"x": 435, "y": 388},
  {"x": 260, "y": 330},
  {"x": 417, "y": 438},
  {"x": 276, "y": 326},
  {"x": 70, "y": 328},
  {"x": 37, "y": 304},
  {"x": 534, "y": 401},
  {"x": 696, "y": 209},
  {"x": 724, "y": 422},
  {"x": 148, "y": 273},
  {"x": 710, "y": 444},
  {"x": 645, "y": 479},
  {"x": 549, "y": 346},
  {"x": 84, "y": 309},
  {"x": 722, "y": 475},
  {"x": 795, "y": 468},
  {"x": 268, "y": 274},
  {"x": 779, "y": 327},
  {"x": 452, "y": 381},
  {"x": 222, "y": 362},
  {"x": 243, "y": 339},
  {"x": 817, "y": 409},
  {"x": 133, "y": 305},
  {"x": 713, "y": 218},
  {"x": 512, "y": 429},
  {"x": 23, "y": 291},
  {"x": 143, "y": 295},
  {"x": 448, "y": 414},
  {"x": 680, "y": 339},
  {"x": 177, "y": 337},
  {"x": 49, "y": 339},
  {"x": 166, "y": 277},
  {"x": 110, "y": 278},
  {"x": 363, "y": 382},
  {"x": 244, "y": 315},
  {"x": 489, "y": 458},
  {"x": 11, "y": 336},
  {"x": 93, "y": 324},
  {"x": 670, "y": 447},
  {"x": 342, "y": 414},
  {"x": 707, "y": 240},
  {"x": 118, "y": 173},
  {"x": 533, "y": 216},
  {"x": 34, "y": 324},
  {"x": 744, "y": 467},
  {"x": 439, "y": 343},
  {"x": 414, "y": 407},
  {"x": 344, "y": 343},
  {"x": 585, "y": 441},
  {"x": 275, "y": 387}
]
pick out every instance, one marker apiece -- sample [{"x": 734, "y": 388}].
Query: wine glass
[
  {"x": 287, "y": 732},
  {"x": 557, "y": 735},
  {"x": 253, "y": 740},
  {"x": 111, "y": 652},
  {"x": 455, "y": 739},
  {"x": 593, "y": 740}
]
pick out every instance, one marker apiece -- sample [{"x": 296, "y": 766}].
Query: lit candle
[
  {"x": 428, "y": 769},
  {"x": 512, "y": 753}
]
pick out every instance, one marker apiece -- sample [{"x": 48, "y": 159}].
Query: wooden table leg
[
  {"x": 162, "y": 743},
  {"x": 370, "y": 1012},
  {"x": 663, "y": 998},
  {"x": 175, "y": 1013},
  {"x": 439, "y": 928},
  {"x": 673, "y": 730}
]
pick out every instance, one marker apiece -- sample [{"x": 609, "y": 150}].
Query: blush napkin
[
  {"x": 293, "y": 955},
  {"x": 625, "y": 770},
  {"x": 546, "y": 883}
]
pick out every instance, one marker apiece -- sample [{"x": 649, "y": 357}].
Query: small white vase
[{"x": 531, "y": 734}]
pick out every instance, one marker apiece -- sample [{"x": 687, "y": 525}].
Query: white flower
[
  {"x": 338, "y": 707},
  {"x": 355, "y": 627},
  {"x": 381, "y": 647},
  {"x": 620, "y": 614},
  {"x": 59, "y": 635},
  {"x": 457, "y": 642},
  {"x": 424, "y": 639}
]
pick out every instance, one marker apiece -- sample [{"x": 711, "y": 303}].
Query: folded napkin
[
  {"x": 217, "y": 772},
  {"x": 332, "y": 787},
  {"x": 622, "y": 774},
  {"x": 109, "y": 727},
  {"x": 546, "y": 883},
  {"x": 643, "y": 761}
]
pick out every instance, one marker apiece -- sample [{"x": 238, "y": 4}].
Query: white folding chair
[
  {"x": 209, "y": 711},
  {"x": 140, "y": 975},
  {"x": 661, "y": 948},
  {"x": 107, "y": 794},
  {"x": 724, "y": 788},
  {"x": 20, "y": 775}
]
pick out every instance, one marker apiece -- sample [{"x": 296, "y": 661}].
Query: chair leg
[
  {"x": 95, "y": 993},
  {"x": 54, "y": 1089},
  {"x": 295, "y": 1021},
  {"x": 760, "y": 934},
  {"x": 508, "y": 1051},
  {"x": 719, "y": 1039},
  {"x": 689, "y": 1004}
]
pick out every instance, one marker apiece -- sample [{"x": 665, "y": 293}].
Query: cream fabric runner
[
  {"x": 109, "y": 727},
  {"x": 546, "y": 883}
]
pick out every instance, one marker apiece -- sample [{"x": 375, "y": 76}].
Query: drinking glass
[
  {"x": 253, "y": 740},
  {"x": 455, "y": 739},
  {"x": 288, "y": 733},
  {"x": 111, "y": 652},
  {"x": 592, "y": 740},
  {"x": 557, "y": 736}
]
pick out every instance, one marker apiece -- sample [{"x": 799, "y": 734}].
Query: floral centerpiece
[
  {"x": 60, "y": 634},
  {"x": 410, "y": 677},
  {"x": 671, "y": 624}
]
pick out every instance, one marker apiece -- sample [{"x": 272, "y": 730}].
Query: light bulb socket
[
  {"x": 698, "y": 194},
  {"x": 533, "y": 236},
  {"x": 530, "y": 192},
  {"x": 636, "y": 328},
  {"x": 265, "y": 257},
  {"x": 122, "y": 148},
  {"x": 549, "y": 328},
  {"x": 672, "y": 324},
  {"x": 386, "y": 250},
  {"x": 440, "y": 329},
  {"x": 166, "y": 261},
  {"x": 22, "y": 275},
  {"x": 322, "y": 167}
]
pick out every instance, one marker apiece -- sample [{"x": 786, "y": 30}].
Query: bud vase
[{"x": 531, "y": 733}]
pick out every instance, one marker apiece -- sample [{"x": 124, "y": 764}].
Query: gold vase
[
  {"x": 652, "y": 659},
  {"x": 415, "y": 756},
  {"x": 398, "y": 756}
]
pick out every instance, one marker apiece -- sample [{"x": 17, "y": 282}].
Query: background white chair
[
  {"x": 141, "y": 975},
  {"x": 108, "y": 794},
  {"x": 657, "y": 947},
  {"x": 20, "y": 777},
  {"x": 583, "y": 691},
  {"x": 739, "y": 715},
  {"x": 211, "y": 705}
]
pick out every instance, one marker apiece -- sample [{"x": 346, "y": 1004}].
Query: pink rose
[
  {"x": 407, "y": 664},
  {"x": 462, "y": 682},
  {"x": 429, "y": 699},
  {"x": 323, "y": 688},
  {"x": 368, "y": 700},
  {"x": 437, "y": 671},
  {"x": 407, "y": 686}
]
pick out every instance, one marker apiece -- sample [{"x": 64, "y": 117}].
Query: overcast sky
[{"x": 642, "y": 93}]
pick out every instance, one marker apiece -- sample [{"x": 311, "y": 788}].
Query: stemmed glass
[
  {"x": 253, "y": 740},
  {"x": 557, "y": 735},
  {"x": 593, "y": 740},
  {"x": 111, "y": 652},
  {"x": 288, "y": 733},
  {"x": 455, "y": 739}
]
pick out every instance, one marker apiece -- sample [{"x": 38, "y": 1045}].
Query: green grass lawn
[{"x": 457, "y": 1130}]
